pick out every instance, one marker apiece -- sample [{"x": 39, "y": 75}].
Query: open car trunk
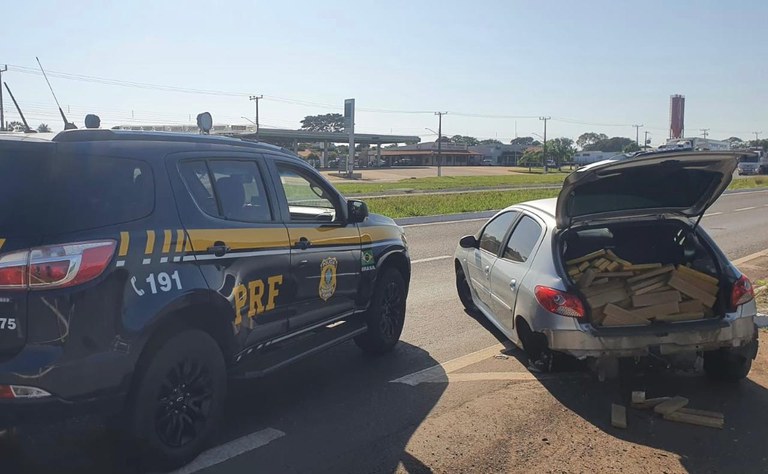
[{"x": 644, "y": 272}]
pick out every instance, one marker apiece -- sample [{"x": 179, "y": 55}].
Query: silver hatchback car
[{"x": 536, "y": 269}]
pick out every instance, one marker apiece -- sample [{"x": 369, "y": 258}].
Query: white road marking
[
  {"x": 438, "y": 373},
  {"x": 745, "y": 209},
  {"x": 430, "y": 259},
  {"x": 231, "y": 449},
  {"x": 712, "y": 214},
  {"x": 753, "y": 256},
  {"x": 120, "y": 263}
]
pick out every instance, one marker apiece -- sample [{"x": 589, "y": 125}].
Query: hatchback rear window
[{"x": 42, "y": 193}]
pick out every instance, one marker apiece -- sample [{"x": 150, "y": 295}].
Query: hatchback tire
[
  {"x": 726, "y": 365},
  {"x": 465, "y": 293},
  {"x": 177, "y": 401},
  {"x": 386, "y": 315}
]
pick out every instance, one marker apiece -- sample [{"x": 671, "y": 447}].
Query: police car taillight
[{"x": 55, "y": 266}]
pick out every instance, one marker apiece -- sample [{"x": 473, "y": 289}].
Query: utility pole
[
  {"x": 757, "y": 134},
  {"x": 637, "y": 133},
  {"x": 544, "y": 159},
  {"x": 704, "y": 132},
  {"x": 440, "y": 142},
  {"x": 2, "y": 110},
  {"x": 645, "y": 141},
  {"x": 257, "y": 98}
]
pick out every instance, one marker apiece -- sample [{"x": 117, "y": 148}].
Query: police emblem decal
[{"x": 327, "y": 277}]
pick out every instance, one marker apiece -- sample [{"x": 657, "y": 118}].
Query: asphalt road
[{"x": 340, "y": 411}]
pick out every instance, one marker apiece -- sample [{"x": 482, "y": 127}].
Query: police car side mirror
[
  {"x": 357, "y": 211},
  {"x": 468, "y": 242}
]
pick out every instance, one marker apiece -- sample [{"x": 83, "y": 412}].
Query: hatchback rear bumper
[{"x": 586, "y": 341}]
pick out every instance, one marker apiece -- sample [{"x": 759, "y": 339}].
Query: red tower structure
[{"x": 676, "y": 116}]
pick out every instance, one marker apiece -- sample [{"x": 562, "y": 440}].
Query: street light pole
[
  {"x": 546, "y": 169},
  {"x": 256, "y": 98},
  {"x": 645, "y": 142},
  {"x": 440, "y": 142}
]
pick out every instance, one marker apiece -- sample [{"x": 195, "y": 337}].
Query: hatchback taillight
[
  {"x": 742, "y": 292},
  {"x": 559, "y": 302},
  {"x": 55, "y": 266}
]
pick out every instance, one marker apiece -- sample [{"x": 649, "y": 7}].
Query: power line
[{"x": 704, "y": 132}]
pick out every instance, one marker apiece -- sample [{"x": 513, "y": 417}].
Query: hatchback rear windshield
[
  {"x": 644, "y": 188},
  {"x": 45, "y": 194}
]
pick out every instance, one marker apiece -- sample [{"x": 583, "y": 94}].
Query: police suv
[{"x": 140, "y": 270}]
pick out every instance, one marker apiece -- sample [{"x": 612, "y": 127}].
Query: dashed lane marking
[
  {"x": 745, "y": 209},
  {"x": 430, "y": 259},
  {"x": 232, "y": 449}
]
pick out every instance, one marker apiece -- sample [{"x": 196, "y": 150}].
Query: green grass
[
  {"x": 413, "y": 205},
  {"x": 416, "y": 205},
  {"x": 450, "y": 182},
  {"x": 746, "y": 183}
]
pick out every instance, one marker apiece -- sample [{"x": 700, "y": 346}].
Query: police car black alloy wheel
[
  {"x": 184, "y": 403},
  {"x": 386, "y": 315},
  {"x": 178, "y": 399}
]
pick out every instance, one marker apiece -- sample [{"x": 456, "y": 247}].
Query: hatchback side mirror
[
  {"x": 357, "y": 211},
  {"x": 469, "y": 242}
]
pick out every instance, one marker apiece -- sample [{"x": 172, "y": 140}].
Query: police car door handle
[
  {"x": 303, "y": 243},
  {"x": 219, "y": 249}
]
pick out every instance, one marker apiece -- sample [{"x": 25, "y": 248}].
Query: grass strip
[
  {"x": 450, "y": 182},
  {"x": 432, "y": 205},
  {"x": 415, "y": 205}
]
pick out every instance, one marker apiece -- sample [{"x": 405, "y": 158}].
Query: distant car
[
  {"x": 551, "y": 164},
  {"x": 486, "y": 162},
  {"x": 403, "y": 162},
  {"x": 515, "y": 270}
]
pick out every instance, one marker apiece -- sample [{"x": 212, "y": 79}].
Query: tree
[
  {"x": 464, "y": 140},
  {"x": 615, "y": 144},
  {"x": 323, "y": 123},
  {"x": 590, "y": 138},
  {"x": 560, "y": 150},
  {"x": 525, "y": 141},
  {"x": 533, "y": 156},
  {"x": 631, "y": 148},
  {"x": 736, "y": 142},
  {"x": 43, "y": 128},
  {"x": 15, "y": 125},
  {"x": 759, "y": 144},
  {"x": 490, "y": 141}
]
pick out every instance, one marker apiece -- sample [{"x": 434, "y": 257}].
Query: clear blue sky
[{"x": 605, "y": 64}]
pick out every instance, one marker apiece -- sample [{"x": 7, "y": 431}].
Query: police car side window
[
  {"x": 308, "y": 198},
  {"x": 228, "y": 189},
  {"x": 195, "y": 174}
]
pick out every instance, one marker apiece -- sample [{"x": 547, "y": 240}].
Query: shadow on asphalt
[
  {"x": 740, "y": 447},
  {"x": 337, "y": 409}
]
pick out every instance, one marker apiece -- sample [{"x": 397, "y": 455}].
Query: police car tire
[
  {"x": 385, "y": 318},
  {"x": 202, "y": 353}
]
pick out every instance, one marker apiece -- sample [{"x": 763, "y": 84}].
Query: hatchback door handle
[
  {"x": 219, "y": 249},
  {"x": 513, "y": 283},
  {"x": 487, "y": 269},
  {"x": 303, "y": 243}
]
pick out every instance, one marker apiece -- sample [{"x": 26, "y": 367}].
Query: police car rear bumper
[{"x": 93, "y": 384}]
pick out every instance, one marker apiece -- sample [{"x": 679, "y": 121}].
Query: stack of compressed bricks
[{"x": 620, "y": 293}]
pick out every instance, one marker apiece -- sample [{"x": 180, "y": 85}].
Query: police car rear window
[{"x": 59, "y": 194}]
